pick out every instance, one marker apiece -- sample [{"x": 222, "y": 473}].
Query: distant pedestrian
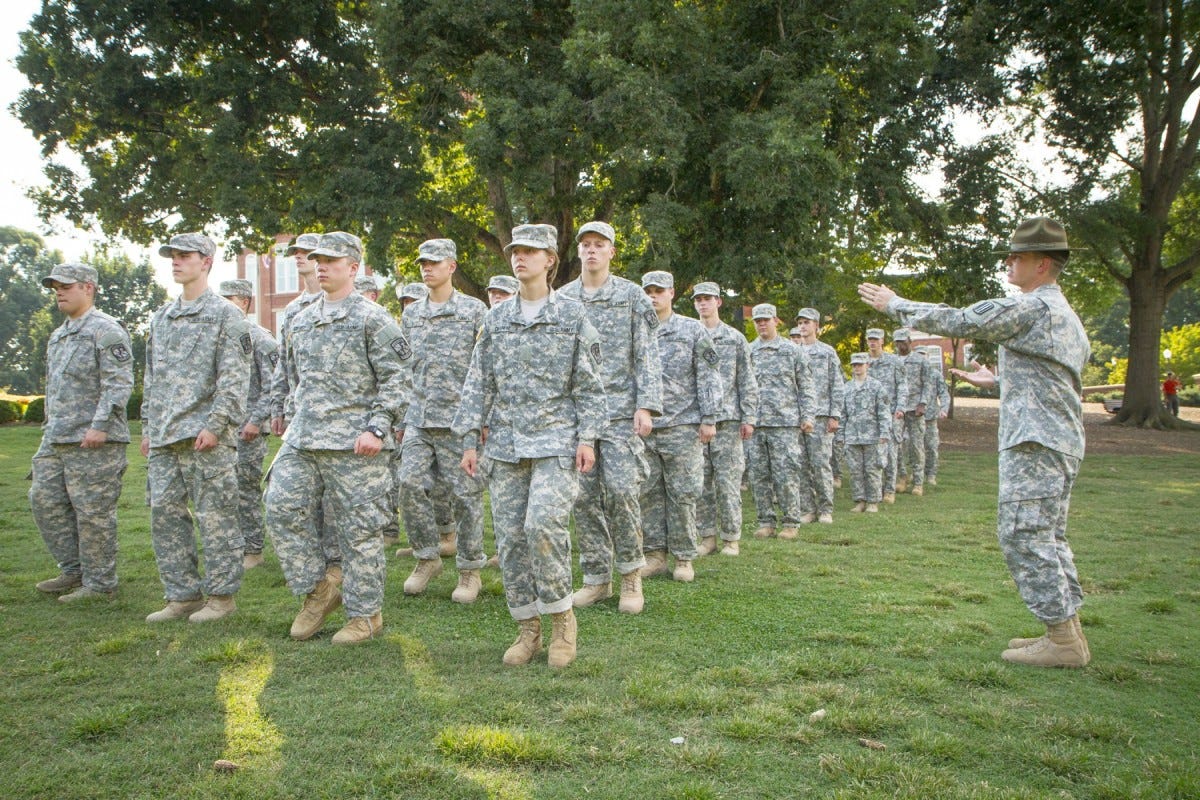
[{"x": 1170, "y": 388}]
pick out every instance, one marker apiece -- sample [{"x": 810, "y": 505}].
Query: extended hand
[
  {"x": 876, "y": 295},
  {"x": 981, "y": 376}
]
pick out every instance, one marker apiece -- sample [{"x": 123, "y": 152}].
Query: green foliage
[
  {"x": 36, "y": 410},
  {"x": 10, "y": 411},
  {"x": 25, "y": 309},
  {"x": 133, "y": 408},
  {"x": 1184, "y": 344}
]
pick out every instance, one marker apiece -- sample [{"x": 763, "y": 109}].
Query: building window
[{"x": 286, "y": 279}]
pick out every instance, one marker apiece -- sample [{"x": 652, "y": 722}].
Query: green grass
[{"x": 891, "y": 623}]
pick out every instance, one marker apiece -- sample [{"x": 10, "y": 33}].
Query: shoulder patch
[
  {"x": 651, "y": 318},
  {"x": 273, "y": 357},
  {"x": 594, "y": 351},
  {"x": 985, "y": 308},
  {"x": 247, "y": 343},
  {"x": 120, "y": 352},
  {"x": 710, "y": 355},
  {"x": 402, "y": 348}
]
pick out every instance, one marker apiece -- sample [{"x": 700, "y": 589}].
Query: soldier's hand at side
[
  {"x": 942, "y": 414},
  {"x": 250, "y": 432},
  {"x": 483, "y": 434},
  {"x": 807, "y": 426},
  {"x": 899, "y": 415},
  {"x": 642, "y": 424},
  {"x": 747, "y": 431},
  {"x": 93, "y": 438},
  {"x": 278, "y": 425},
  {"x": 205, "y": 440},
  {"x": 831, "y": 425},
  {"x": 585, "y": 458},
  {"x": 707, "y": 433},
  {"x": 145, "y": 447},
  {"x": 470, "y": 462},
  {"x": 920, "y": 409},
  {"x": 875, "y": 295},
  {"x": 367, "y": 444}
]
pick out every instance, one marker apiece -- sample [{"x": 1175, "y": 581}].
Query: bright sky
[{"x": 22, "y": 168}]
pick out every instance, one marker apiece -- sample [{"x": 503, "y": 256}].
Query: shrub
[
  {"x": 1189, "y": 396},
  {"x": 36, "y": 410},
  {"x": 134, "y": 407},
  {"x": 964, "y": 389},
  {"x": 9, "y": 411}
]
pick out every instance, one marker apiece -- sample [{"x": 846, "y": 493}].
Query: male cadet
[
  {"x": 367, "y": 287},
  {"x": 786, "y": 403},
  {"x": 198, "y": 356},
  {"x": 888, "y": 370},
  {"x": 675, "y": 447},
  {"x": 867, "y": 427},
  {"x": 442, "y": 329},
  {"x": 1043, "y": 350},
  {"x": 816, "y": 447},
  {"x": 720, "y": 509},
  {"x": 252, "y": 435},
  {"x": 501, "y": 288},
  {"x": 78, "y": 467},
  {"x": 921, "y": 393},
  {"x": 936, "y": 411},
  {"x": 608, "y": 513},
  {"x": 345, "y": 361}
]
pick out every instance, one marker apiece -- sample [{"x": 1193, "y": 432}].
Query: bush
[
  {"x": 9, "y": 411},
  {"x": 133, "y": 409},
  {"x": 1189, "y": 396},
  {"x": 964, "y": 389},
  {"x": 36, "y": 410}
]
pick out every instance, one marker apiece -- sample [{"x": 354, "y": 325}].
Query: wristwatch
[{"x": 376, "y": 431}]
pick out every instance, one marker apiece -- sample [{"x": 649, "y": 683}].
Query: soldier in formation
[
  {"x": 816, "y": 446},
  {"x": 888, "y": 369},
  {"x": 867, "y": 418}
]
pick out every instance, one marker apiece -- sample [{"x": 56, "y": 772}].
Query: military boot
[
  {"x": 359, "y": 629},
  {"x": 62, "y": 583},
  {"x": 788, "y": 533},
  {"x": 176, "y": 609},
  {"x": 468, "y": 587},
  {"x": 562, "y": 639},
  {"x": 708, "y": 546},
  {"x": 684, "y": 573},
  {"x": 333, "y": 572},
  {"x": 84, "y": 593},
  {"x": 918, "y": 490},
  {"x": 251, "y": 560},
  {"x": 889, "y": 498},
  {"x": 764, "y": 532},
  {"x": 632, "y": 601},
  {"x": 426, "y": 570},
  {"x": 592, "y": 593},
  {"x": 731, "y": 548},
  {"x": 837, "y": 483},
  {"x": 825, "y": 519},
  {"x": 1062, "y": 646},
  {"x": 859, "y": 507},
  {"x": 808, "y": 518},
  {"x": 448, "y": 544},
  {"x": 323, "y": 600},
  {"x": 901, "y": 484},
  {"x": 218, "y": 606},
  {"x": 404, "y": 552},
  {"x": 656, "y": 564},
  {"x": 872, "y": 508},
  {"x": 527, "y": 644}
]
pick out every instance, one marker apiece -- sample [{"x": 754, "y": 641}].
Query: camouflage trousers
[
  {"x": 933, "y": 443},
  {"x": 838, "y": 458},
  {"x": 674, "y": 482},
  {"x": 608, "y": 514},
  {"x": 816, "y": 469},
  {"x": 74, "y": 503},
  {"x": 1035, "y": 496},
  {"x": 429, "y": 457},
  {"x": 719, "y": 512},
  {"x": 531, "y": 515},
  {"x": 443, "y": 509},
  {"x": 250, "y": 457},
  {"x": 890, "y": 455},
  {"x": 354, "y": 491},
  {"x": 913, "y": 461},
  {"x": 864, "y": 462},
  {"x": 774, "y": 475},
  {"x": 179, "y": 473}
]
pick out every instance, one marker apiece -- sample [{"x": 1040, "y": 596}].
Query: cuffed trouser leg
[
  {"x": 719, "y": 510},
  {"x": 608, "y": 516}
]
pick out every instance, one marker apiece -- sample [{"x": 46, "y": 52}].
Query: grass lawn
[{"x": 860, "y": 661}]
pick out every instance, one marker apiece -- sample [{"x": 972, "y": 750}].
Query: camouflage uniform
[
  {"x": 816, "y": 447},
  {"x": 921, "y": 391},
  {"x": 866, "y": 420},
  {"x": 197, "y": 377},
  {"x": 888, "y": 369},
  {"x": 1043, "y": 349},
  {"x": 89, "y": 376},
  {"x": 348, "y": 372},
  {"x": 250, "y": 454},
  {"x": 608, "y": 516},
  {"x": 541, "y": 382},
  {"x": 442, "y": 340},
  {"x": 720, "y": 507},
  {"x": 933, "y": 439},
  {"x": 785, "y": 402}
]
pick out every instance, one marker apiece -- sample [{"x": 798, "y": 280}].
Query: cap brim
[
  {"x": 1036, "y": 248},
  {"x": 50, "y": 280},
  {"x": 330, "y": 254},
  {"x": 527, "y": 243}
]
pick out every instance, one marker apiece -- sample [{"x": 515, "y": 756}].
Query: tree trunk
[{"x": 1141, "y": 405}]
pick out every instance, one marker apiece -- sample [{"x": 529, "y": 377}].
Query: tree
[
  {"x": 1114, "y": 89},
  {"x": 25, "y": 309}
]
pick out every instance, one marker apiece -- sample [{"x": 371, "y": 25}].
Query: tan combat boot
[
  {"x": 468, "y": 587},
  {"x": 176, "y": 609},
  {"x": 333, "y": 572},
  {"x": 764, "y": 532},
  {"x": 901, "y": 484},
  {"x": 808, "y": 518},
  {"x": 562, "y": 639},
  {"x": 448, "y": 544},
  {"x": 684, "y": 573},
  {"x": 426, "y": 570},
  {"x": 708, "y": 546},
  {"x": 527, "y": 644},
  {"x": 632, "y": 601},
  {"x": 656, "y": 564},
  {"x": 251, "y": 560},
  {"x": 60, "y": 583},
  {"x": 323, "y": 600},
  {"x": 731, "y": 548},
  {"x": 872, "y": 508},
  {"x": 859, "y": 507},
  {"x": 359, "y": 629},
  {"x": 931, "y": 480},
  {"x": 889, "y": 498},
  {"x": 217, "y": 607},
  {"x": 1014, "y": 644},
  {"x": 1062, "y": 646},
  {"x": 592, "y": 593},
  {"x": 918, "y": 490},
  {"x": 404, "y": 552},
  {"x": 837, "y": 483},
  {"x": 825, "y": 519},
  {"x": 84, "y": 593},
  {"x": 788, "y": 533}
]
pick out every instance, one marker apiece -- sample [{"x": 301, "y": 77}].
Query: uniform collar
[{"x": 176, "y": 308}]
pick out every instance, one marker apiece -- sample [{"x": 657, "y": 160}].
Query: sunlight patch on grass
[
  {"x": 250, "y": 738},
  {"x": 480, "y": 745},
  {"x": 500, "y": 784},
  {"x": 431, "y": 689}
]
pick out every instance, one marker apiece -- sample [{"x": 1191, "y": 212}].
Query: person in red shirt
[{"x": 1171, "y": 387}]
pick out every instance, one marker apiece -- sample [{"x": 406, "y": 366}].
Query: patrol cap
[
  {"x": 236, "y": 288},
  {"x": 437, "y": 250},
  {"x": 659, "y": 278},
  {"x": 1038, "y": 234},
  {"x": 504, "y": 283},
  {"x": 764, "y": 311},
  {"x": 338, "y": 244},
  {"x": 795, "y": 331},
  {"x": 809, "y": 313},
  {"x": 602, "y": 228},
  {"x": 305, "y": 241},
  {"x": 901, "y": 335},
  {"x": 189, "y": 243},
  {"x": 860, "y": 358},
  {"x": 706, "y": 289},
  {"x": 539, "y": 237},
  {"x": 72, "y": 272},
  {"x": 874, "y": 333},
  {"x": 412, "y": 291},
  {"x": 365, "y": 283}
]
